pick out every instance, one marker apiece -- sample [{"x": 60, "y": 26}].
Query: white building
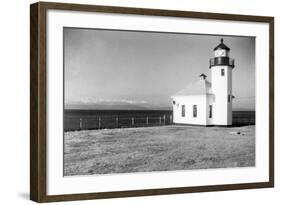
[{"x": 208, "y": 103}]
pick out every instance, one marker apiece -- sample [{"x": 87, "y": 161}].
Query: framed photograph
[{"x": 135, "y": 102}]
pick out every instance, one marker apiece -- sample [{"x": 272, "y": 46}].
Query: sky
[{"x": 147, "y": 68}]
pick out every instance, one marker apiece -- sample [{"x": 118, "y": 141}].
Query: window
[
  {"x": 194, "y": 110},
  {"x": 222, "y": 72},
  {"x": 183, "y": 110},
  {"x": 210, "y": 111}
]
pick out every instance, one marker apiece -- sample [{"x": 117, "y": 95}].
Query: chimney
[{"x": 202, "y": 77}]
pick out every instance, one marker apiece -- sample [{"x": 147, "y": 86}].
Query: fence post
[
  {"x": 133, "y": 122},
  {"x": 146, "y": 120},
  {"x": 117, "y": 121},
  {"x": 80, "y": 123},
  {"x": 99, "y": 122}
]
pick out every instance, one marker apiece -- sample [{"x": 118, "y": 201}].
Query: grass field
[{"x": 157, "y": 149}]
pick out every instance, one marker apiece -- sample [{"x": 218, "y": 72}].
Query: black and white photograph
[{"x": 141, "y": 101}]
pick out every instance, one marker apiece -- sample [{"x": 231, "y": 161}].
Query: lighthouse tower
[{"x": 221, "y": 70}]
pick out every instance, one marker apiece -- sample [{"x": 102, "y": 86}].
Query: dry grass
[{"x": 157, "y": 149}]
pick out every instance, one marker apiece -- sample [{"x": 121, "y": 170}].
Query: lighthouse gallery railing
[{"x": 222, "y": 61}]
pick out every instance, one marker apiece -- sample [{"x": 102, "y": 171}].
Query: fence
[
  {"x": 243, "y": 118},
  {"x": 239, "y": 118},
  {"x": 115, "y": 121}
]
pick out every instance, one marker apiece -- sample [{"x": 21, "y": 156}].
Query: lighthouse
[
  {"x": 207, "y": 102},
  {"x": 221, "y": 72}
]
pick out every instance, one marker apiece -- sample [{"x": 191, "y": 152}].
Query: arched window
[
  {"x": 210, "y": 111},
  {"x": 183, "y": 110},
  {"x": 222, "y": 72},
  {"x": 194, "y": 111}
]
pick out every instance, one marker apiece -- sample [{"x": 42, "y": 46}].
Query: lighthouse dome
[{"x": 222, "y": 46}]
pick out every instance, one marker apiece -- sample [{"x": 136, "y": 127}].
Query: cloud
[{"x": 90, "y": 100}]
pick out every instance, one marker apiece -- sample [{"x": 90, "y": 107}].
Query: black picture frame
[{"x": 38, "y": 102}]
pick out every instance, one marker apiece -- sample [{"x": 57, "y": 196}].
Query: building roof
[
  {"x": 200, "y": 87},
  {"x": 222, "y": 46},
  {"x": 203, "y": 76}
]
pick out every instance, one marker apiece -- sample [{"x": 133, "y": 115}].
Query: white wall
[
  {"x": 189, "y": 101},
  {"x": 221, "y": 86},
  {"x": 210, "y": 101},
  {"x": 14, "y": 85}
]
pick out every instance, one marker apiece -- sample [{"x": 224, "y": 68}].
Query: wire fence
[
  {"x": 239, "y": 118},
  {"x": 115, "y": 121}
]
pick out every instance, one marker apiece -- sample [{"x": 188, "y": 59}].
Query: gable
[{"x": 201, "y": 87}]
